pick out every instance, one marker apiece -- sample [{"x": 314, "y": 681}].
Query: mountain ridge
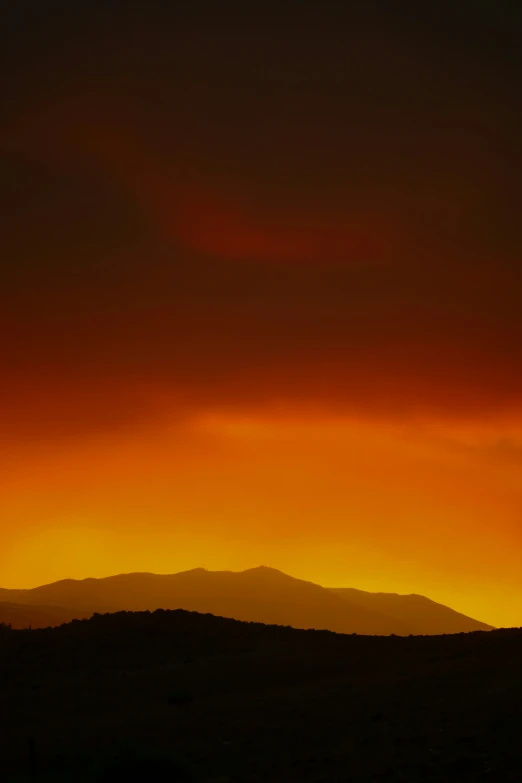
[{"x": 259, "y": 594}]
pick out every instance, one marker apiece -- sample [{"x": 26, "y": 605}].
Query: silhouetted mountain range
[{"x": 262, "y": 594}]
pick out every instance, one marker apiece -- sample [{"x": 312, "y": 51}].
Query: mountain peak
[{"x": 264, "y": 570}]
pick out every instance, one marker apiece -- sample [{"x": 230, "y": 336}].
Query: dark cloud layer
[{"x": 301, "y": 205}]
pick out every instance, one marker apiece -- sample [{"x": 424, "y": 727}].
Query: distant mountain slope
[
  {"x": 26, "y": 616},
  {"x": 262, "y": 595},
  {"x": 420, "y": 614}
]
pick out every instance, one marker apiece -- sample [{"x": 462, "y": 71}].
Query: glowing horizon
[
  {"x": 263, "y": 313},
  {"x": 217, "y": 491}
]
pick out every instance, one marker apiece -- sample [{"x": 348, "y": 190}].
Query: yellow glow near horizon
[{"x": 428, "y": 509}]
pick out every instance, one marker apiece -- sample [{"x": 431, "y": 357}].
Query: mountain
[
  {"x": 28, "y": 616},
  {"x": 418, "y": 613},
  {"x": 262, "y": 594}
]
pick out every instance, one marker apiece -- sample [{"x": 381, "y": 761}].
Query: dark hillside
[{"x": 189, "y": 697}]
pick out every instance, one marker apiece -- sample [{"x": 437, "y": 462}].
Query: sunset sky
[{"x": 261, "y": 293}]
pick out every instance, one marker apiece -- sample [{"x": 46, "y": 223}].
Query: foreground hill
[
  {"x": 259, "y": 595},
  {"x": 193, "y": 698}
]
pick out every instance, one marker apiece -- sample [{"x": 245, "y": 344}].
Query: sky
[{"x": 260, "y": 294}]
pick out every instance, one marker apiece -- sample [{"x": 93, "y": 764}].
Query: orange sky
[
  {"x": 413, "y": 507},
  {"x": 260, "y": 298}
]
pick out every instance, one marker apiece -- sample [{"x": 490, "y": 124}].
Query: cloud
[{"x": 335, "y": 231}]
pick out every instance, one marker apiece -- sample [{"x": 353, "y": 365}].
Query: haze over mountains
[{"x": 261, "y": 594}]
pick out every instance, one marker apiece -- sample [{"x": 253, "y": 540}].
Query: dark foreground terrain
[{"x": 178, "y": 696}]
